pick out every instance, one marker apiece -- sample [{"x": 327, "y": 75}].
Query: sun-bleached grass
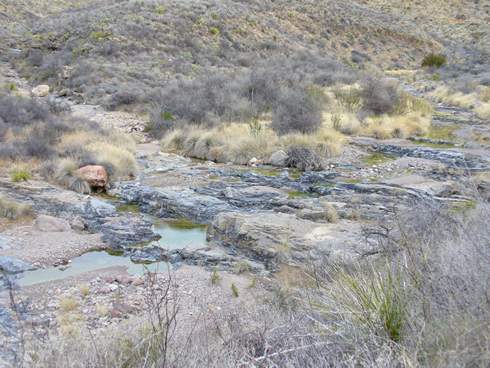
[
  {"x": 240, "y": 142},
  {"x": 399, "y": 126},
  {"x": 118, "y": 160},
  {"x": 410, "y": 116},
  {"x": 478, "y": 100},
  {"x": 13, "y": 210},
  {"x": 113, "y": 151},
  {"x": 460, "y": 99},
  {"x": 237, "y": 143},
  {"x": 483, "y": 110}
]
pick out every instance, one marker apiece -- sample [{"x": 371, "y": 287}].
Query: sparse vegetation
[
  {"x": 12, "y": 210},
  {"x": 30, "y": 132},
  {"x": 68, "y": 304},
  {"x": 241, "y": 267},
  {"x": 234, "y": 290},
  {"x": 401, "y": 281},
  {"x": 215, "y": 277},
  {"x": 377, "y": 158}
]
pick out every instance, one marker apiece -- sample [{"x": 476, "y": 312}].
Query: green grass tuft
[
  {"x": 234, "y": 291},
  {"x": 19, "y": 174}
]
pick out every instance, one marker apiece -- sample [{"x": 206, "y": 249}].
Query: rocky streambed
[{"x": 195, "y": 217}]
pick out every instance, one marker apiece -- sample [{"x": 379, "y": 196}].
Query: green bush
[
  {"x": 20, "y": 174},
  {"x": 214, "y": 31},
  {"x": 434, "y": 60}
]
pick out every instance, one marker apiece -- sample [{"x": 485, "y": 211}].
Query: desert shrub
[
  {"x": 379, "y": 96},
  {"x": 19, "y": 112},
  {"x": 217, "y": 97},
  {"x": 375, "y": 299},
  {"x": 434, "y": 60},
  {"x": 204, "y": 100},
  {"x": 349, "y": 98},
  {"x": 57, "y": 106},
  {"x": 124, "y": 96},
  {"x": 297, "y": 110}
]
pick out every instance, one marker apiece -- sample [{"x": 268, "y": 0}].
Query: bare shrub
[
  {"x": 297, "y": 111},
  {"x": 379, "y": 96},
  {"x": 428, "y": 294}
]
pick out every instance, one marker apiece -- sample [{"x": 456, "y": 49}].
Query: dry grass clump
[
  {"x": 400, "y": 126},
  {"x": 393, "y": 113},
  {"x": 478, "y": 100},
  {"x": 237, "y": 143},
  {"x": 13, "y": 210},
  {"x": 455, "y": 98}
]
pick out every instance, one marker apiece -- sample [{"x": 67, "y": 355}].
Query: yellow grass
[
  {"x": 483, "y": 111},
  {"x": 236, "y": 143},
  {"x": 444, "y": 94},
  {"x": 400, "y": 126},
  {"x": 120, "y": 160}
]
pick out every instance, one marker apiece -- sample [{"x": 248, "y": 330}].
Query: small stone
[{"x": 278, "y": 158}]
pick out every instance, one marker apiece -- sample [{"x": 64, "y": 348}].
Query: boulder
[
  {"x": 51, "y": 224},
  {"x": 278, "y": 158},
  {"x": 272, "y": 237},
  {"x": 95, "y": 175},
  {"x": 252, "y": 196},
  {"x": 174, "y": 202},
  {"x": 41, "y": 91},
  {"x": 12, "y": 265}
]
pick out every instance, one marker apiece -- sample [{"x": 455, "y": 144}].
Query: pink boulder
[{"x": 95, "y": 175}]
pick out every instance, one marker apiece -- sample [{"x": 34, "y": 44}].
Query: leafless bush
[
  {"x": 297, "y": 111},
  {"x": 426, "y": 291},
  {"x": 379, "y": 96}
]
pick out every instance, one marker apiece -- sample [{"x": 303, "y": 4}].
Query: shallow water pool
[
  {"x": 180, "y": 234},
  {"x": 87, "y": 262}
]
